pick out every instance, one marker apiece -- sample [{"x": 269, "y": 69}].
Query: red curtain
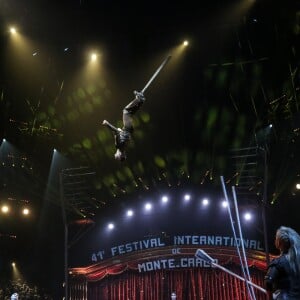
[{"x": 187, "y": 284}]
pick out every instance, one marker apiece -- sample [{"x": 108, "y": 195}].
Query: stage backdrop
[
  {"x": 161, "y": 272},
  {"x": 151, "y": 256}
]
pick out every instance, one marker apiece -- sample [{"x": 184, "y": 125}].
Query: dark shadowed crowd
[{"x": 20, "y": 290}]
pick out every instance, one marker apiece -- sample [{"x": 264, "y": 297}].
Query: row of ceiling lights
[
  {"x": 205, "y": 202},
  {"x": 93, "y": 56},
  {"x": 6, "y": 210}
]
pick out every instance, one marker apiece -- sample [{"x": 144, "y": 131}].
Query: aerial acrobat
[{"x": 123, "y": 135}]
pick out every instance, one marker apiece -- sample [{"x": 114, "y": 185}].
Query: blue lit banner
[{"x": 176, "y": 241}]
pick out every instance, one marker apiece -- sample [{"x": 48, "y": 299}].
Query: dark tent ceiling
[
  {"x": 206, "y": 115},
  {"x": 238, "y": 75}
]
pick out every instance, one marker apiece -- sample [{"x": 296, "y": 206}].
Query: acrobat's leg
[
  {"x": 131, "y": 109},
  {"x": 110, "y": 126}
]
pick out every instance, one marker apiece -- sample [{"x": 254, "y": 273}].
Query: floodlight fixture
[
  {"x": 129, "y": 213},
  {"x": 224, "y": 204},
  {"x": 205, "y": 202},
  {"x": 187, "y": 197},
  {"x": 25, "y": 211},
  {"x": 93, "y": 57},
  {"x": 247, "y": 216},
  {"x": 5, "y": 209},
  {"x": 164, "y": 199},
  {"x": 148, "y": 206},
  {"x": 111, "y": 226},
  {"x": 13, "y": 30}
]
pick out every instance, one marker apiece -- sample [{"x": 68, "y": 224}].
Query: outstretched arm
[{"x": 110, "y": 126}]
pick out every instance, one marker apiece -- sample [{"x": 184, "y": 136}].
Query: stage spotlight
[
  {"x": 224, "y": 203},
  {"x": 247, "y": 216},
  {"x": 187, "y": 197},
  {"x": 25, "y": 211},
  {"x": 5, "y": 209},
  {"x": 164, "y": 199},
  {"x": 111, "y": 226},
  {"x": 4, "y": 140},
  {"x": 148, "y": 206},
  {"x": 185, "y": 43},
  {"x": 129, "y": 213},
  {"x": 16, "y": 274},
  {"x": 93, "y": 57},
  {"x": 298, "y": 186},
  {"x": 205, "y": 202},
  {"x": 13, "y": 30}
]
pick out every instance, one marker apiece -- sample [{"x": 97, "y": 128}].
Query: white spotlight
[
  {"x": 298, "y": 186},
  {"x": 224, "y": 203},
  {"x": 164, "y": 199},
  {"x": 148, "y": 206},
  {"x": 205, "y": 202},
  {"x": 187, "y": 197},
  {"x": 4, "y": 140},
  {"x": 111, "y": 226},
  {"x": 129, "y": 213},
  {"x": 247, "y": 216}
]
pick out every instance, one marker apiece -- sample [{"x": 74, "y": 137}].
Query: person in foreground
[
  {"x": 282, "y": 280},
  {"x": 122, "y": 136},
  {"x": 14, "y": 296}
]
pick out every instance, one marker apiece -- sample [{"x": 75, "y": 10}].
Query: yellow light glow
[
  {"x": 5, "y": 209},
  {"x": 185, "y": 43},
  {"x": 26, "y": 211},
  {"x": 93, "y": 57},
  {"x": 13, "y": 30},
  {"x": 16, "y": 273}
]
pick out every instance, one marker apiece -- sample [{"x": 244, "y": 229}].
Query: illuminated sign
[{"x": 177, "y": 240}]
